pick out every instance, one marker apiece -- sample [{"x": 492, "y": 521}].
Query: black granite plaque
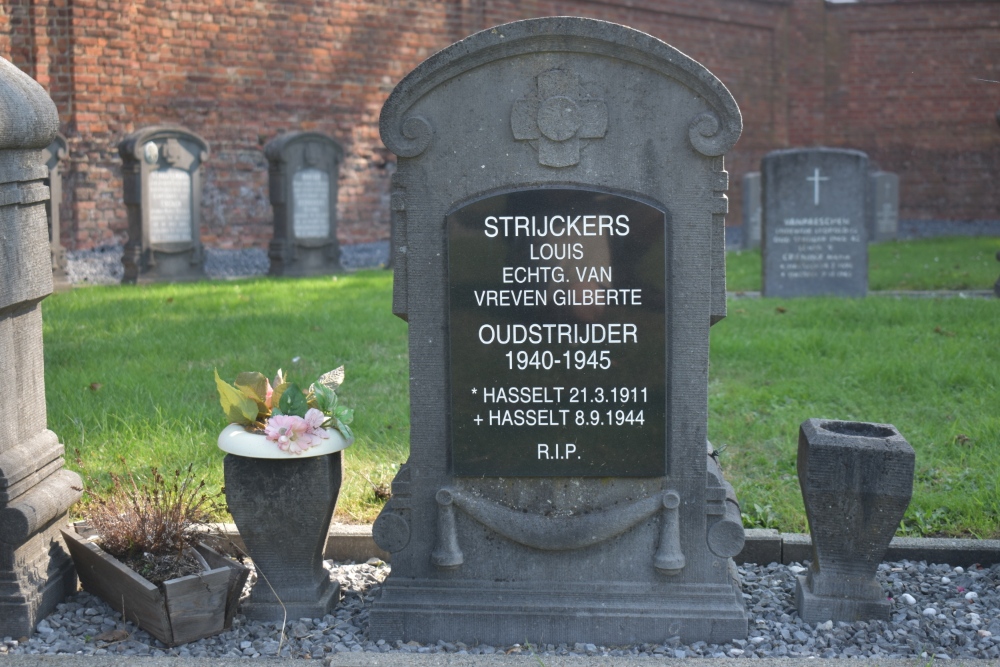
[{"x": 557, "y": 332}]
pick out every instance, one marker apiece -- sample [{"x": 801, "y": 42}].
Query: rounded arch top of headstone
[
  {"x": 132, "y": 147},
  {"x": 28, "y": 116},
  {"x": 277, "y": 149},
  {"x": 817, "y": 149},
  {"x": 712, "y": 133}
]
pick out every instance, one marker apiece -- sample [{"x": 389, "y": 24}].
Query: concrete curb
[
  {"x": 899, "y": 294},
  {"x": 354, "y": 543}
]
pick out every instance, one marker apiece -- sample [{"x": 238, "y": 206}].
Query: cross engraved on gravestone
[
  {"x": 816, "y": 178},
  {"x": 558, "y": 117}
]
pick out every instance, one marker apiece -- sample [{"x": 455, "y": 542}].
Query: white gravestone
[
  {"x": 311, "y": 194},
  {"x": 169, "y": 206},
  {"x": 884, "y": 215}
]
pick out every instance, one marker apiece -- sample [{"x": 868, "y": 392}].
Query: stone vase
[
  {"x": 282, "y": 509},
  {"x": 856, "y": 479}
]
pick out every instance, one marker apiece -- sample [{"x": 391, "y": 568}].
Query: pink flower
[
  {"x": 268, "y": 394},
  {"x": 295, "y": 434},
  {"x": 315, "y": 419}
]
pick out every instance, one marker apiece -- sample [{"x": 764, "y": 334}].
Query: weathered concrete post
[
  {"x": 856, "y": 479},
  {"x": 35, "y": 491}
]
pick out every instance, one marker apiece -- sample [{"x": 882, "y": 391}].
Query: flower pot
[
  {"x": 283, "y": 509},
  {"x": 183, "y": 610}
]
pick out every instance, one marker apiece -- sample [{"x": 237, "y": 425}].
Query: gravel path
[{"x": 938, "y": 611}]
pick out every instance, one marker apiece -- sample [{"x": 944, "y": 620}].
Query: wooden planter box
[{"x": 188, "y": 608}]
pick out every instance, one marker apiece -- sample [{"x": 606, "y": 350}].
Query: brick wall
[{"x": 892, "y": 77}]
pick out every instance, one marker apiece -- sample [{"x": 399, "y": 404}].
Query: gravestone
[
  {"x": 162, "y": 169},
  {"x": 303, "y": 189},
  {"x": 559, "y": 210},
  {"x": 36, "y": 572},
  {"x": 751, "y": 210},
  {"x": 814, "y": 215},
  {"x": 54, "y": 154},
  {"x": 856, "y": 480},
  {"x": 883, "y": 216}
]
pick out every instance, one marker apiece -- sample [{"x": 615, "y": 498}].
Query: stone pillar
[{"x": 36, "y": 573}]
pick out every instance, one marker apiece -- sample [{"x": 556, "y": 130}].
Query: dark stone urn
[
  {"x": 283, "y": 509},
  {"x": 856, "y": 479}
]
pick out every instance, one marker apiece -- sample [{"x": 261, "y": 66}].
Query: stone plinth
[
  {"x": 856, "y": 481},
  {"x": 283, "y": 509},
  {"x": 36, "y": 572}
]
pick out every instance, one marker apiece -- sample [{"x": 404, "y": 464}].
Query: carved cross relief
[{"x": 559, "y": 118}]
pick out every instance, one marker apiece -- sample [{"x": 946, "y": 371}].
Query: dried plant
[{"x": 161, "y": 516}]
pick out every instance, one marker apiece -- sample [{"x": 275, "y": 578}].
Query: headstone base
[
  {"x": 269, "y": 611},
  {"x": 303, "y": 261},
  {"x": 603, "y": 613},
  {"x": 820, "y": 608},
  {"x": 34, "y": 577},
  {"x": 159, "y": 266}
]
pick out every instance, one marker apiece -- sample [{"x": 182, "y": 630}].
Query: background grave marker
[
  {"x": 814, "y": 217},
  {"x": 303, "y": 173},
  {"x": 162, "y": 182}
]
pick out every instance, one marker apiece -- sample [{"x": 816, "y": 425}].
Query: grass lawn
[
  {"x": 961, "y": 263},
  {"x": 129, "y": 375}
]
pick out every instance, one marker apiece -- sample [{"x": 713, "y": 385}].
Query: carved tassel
[
  {"x": 446, "y": 554},
  {"x": 669, "y": 558}
]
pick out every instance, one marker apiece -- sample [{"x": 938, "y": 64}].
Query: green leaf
[
  {"x": 325, "y": 398},
  {"x": 239, "y": 409},
  {"x": 292, "y": 401},
  {"x": 279, "y": 389},
  {"x": 344, "y": 414},
  {"x": 254, "y": 385},
  {"x": 345, "y": 430}
]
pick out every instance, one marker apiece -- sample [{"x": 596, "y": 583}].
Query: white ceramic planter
[{"x": 234, "y": 439}]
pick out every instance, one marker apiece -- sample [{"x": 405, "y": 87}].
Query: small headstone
[
  {"x": 856, "y": 480},
  {"x": 36, "y": 572},
  {"x": 559, "y": 213},
  {"x": 303, "y": 173},
  {"x": 162, "y": 173},
  {"x": 54, "y": 154},
  {"x": 814, "y": 216},
  {"x": 751, "y": 210},
  {"x": 883, "y": 217}
]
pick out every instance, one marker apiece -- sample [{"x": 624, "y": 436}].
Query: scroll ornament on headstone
[
  {"x": 303, "y": 174},
  {"x": 162, "y": 170},
  {"x": 36, "y": 491},
  {"x": 559, "y": 256}
]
